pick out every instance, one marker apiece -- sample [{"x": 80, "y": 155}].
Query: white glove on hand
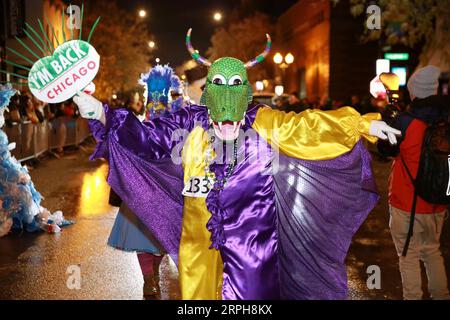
[
  {"x": 11, "y": 146},
  {"x": 90, "y": 108},
  {"x": 381, "y": 130}
]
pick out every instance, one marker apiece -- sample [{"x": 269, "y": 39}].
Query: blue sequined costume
[{"x": 19, "y": 199}]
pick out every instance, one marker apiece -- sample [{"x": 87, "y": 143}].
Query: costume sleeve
[
  {"x": 314, "y": 134},
  {"x": 142, "y": 171},
  {"x": 153, "y": 140}
]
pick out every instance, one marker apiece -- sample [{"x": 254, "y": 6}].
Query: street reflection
[{"x": 95, "y": 193}]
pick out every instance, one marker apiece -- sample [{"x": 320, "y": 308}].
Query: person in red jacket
[{"x": 426, "y": 107}]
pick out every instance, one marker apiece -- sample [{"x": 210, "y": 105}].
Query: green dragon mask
[{"x": 227, "y": 91}]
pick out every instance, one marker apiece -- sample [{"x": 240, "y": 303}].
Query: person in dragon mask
[{"x": 261, "y": 204}]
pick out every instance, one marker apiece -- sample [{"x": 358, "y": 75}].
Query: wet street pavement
[{"x": 38, "y": 266}]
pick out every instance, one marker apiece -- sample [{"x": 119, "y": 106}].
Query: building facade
[
  {"x": 15, "y": 15},
  {"x": 330, "y": 59}
]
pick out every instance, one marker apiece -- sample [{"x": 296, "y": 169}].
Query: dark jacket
[
  {"x": 413, "y": 124},
  {"x": 429, "y": 110}
]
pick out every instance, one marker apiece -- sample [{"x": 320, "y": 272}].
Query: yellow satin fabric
[
  {"x": 200, "y": 268},
  {"x": 314, "y": 134}
]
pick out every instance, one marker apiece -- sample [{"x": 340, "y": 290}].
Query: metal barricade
[
  {"x": 41, "y": 143},
  {"x": 33, "y": 140},
  {"x": 82, "y": 130},
  {"x": 58, "y": 128},
  {"x": 71, "y": 132},
  {"x": 25, "y": 141},
  {"x": 14, "y": 133}
]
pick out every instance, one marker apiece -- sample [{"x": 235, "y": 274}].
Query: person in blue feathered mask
[{"x": 159, "y": 82}]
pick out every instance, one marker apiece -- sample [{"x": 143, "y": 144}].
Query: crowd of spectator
[
  {"x": 25, "y": 108},
  {"x": 362, "y": 105}
]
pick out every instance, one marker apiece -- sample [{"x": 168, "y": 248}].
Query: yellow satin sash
[
  {"x": 314, "y": 134},
  {"x": 200, "y": 268}
]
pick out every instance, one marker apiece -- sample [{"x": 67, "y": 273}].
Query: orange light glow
[
  {"x": 390, "y": 80},
  {"x": 95, "y": 193}
]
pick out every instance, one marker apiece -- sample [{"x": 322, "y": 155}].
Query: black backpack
[
  {"x": 433, "y": 177},
  {"x": 432, "y": 182}
]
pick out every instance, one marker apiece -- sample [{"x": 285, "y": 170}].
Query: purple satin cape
[
  {"x": 281, "y": 234},
  {"x": 320, "y": 206},
  {"x": 141, "y": 170}
]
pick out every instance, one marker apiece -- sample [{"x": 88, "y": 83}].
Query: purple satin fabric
[
  {"x": 150, "y": 140},
  {"x": 320, "y": 205},
  {"x": 141, "y": 170},
  {"x": 243, "y": 224}
]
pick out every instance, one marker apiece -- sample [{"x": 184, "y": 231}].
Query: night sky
[{"x": 169, "y": 20}]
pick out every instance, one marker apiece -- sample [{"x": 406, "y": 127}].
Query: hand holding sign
[
  {"x": 90, "y": 89},
  {"x": 90, "y": 108}
]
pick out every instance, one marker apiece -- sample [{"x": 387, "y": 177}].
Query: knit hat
[{"x": 424, "y": 82}]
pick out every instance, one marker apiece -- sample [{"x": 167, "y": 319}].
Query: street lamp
[
  {"x": 278, "y": 58},
  {"x": 142, "y": 13},
  {"x": 217, "y": 16},
  {"x": 279, "y": 90},
  {"x": 157, "y": 60},
  {"x": 288, "y": 59},
  {"x": 283, "y": 62},
  {"x": 151, "y": 44},
  {"x": 259, "y": 85}
]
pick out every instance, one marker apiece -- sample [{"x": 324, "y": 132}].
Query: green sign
[
  {"x": 397, "y": 56},
  {"x": 71, "y": 68}
]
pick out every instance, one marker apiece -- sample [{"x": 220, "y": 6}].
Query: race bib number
[{"x": 197, "y": 187}]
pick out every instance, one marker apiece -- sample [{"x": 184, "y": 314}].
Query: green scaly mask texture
[{"x": 227, "y": 102}]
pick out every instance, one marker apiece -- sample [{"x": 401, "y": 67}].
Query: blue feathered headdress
[
  {"x": 158, "y": 83},
  {"x": 6, "y": 92}
]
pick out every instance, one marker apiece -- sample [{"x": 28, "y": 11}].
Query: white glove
[
  {"x": 381, "y": 130},
  {"x": 90, "y": 108},
  {"x": 11, "y": 146}
]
